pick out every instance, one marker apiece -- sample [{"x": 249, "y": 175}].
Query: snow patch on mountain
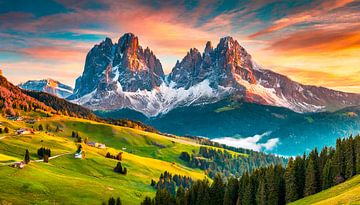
[
  {"x": 48, "y": 86},
  {"x": 160, "y": 100}
]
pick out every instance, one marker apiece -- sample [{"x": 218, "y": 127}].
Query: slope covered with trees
[
  {"x": 304, "y": 176},
  {"x": 13, "y": 100}
]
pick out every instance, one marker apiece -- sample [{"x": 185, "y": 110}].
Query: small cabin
[
  {"x": 78, "y": 155},
  {"x": 101, "y": 146},
  {"x": 19, "y": 165},
  {"x": 24, "y": 131},
  {"x": 93, "y": 144}
]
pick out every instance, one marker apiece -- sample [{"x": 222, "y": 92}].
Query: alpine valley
[{"x": 219, "y": 93}]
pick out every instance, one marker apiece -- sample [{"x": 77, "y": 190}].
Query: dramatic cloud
[
  {"x": 313, "y": 36},
  {"x": 303, "y": 16},
  {"x": 252, "y": 143}
]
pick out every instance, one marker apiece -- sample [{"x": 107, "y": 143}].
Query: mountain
[
  {"x": 126, "y": 76},
  {"x": 236, "y": 123},
  {"x": 48, "y": 86}
]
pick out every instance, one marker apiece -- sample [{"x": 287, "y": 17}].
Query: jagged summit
[
  {"x": 124, "y": 66},
  {"x": 124, "y": 75}
]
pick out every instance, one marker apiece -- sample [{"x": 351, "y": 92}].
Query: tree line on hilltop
[{"x": 214, "y": 160}]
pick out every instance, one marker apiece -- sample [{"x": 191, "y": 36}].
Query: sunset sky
[{"x": 313, "y": 42}]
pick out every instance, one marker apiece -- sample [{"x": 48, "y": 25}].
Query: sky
[{"x": 314, "y": 42}]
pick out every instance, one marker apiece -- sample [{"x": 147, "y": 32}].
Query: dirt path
[{"x": 38, "y": 160}]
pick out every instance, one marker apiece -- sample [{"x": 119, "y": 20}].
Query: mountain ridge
[{"x": 123, "y": 75}]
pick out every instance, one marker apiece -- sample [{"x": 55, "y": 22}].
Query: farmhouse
[
  {"x": 78, "y": 155},
  {"x": 24, "y": 131},
  {"x": 19, "y": 165},
  {"x": 97, "y": 145}
]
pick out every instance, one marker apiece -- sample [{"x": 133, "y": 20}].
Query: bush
[
  {"x": 43, "y": 151},
  {"x": 120, "y": 169},
  {"x": 117, "y": 157}
]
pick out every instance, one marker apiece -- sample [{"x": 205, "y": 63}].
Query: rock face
[
  {"x": 122, "y": 66},
  {"x": 124, "y": 75},
  {"x": 48, "y": 86}
]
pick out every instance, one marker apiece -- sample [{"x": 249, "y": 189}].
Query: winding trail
[{"x": 38, "y": 160}]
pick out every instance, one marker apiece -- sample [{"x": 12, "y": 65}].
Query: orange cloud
[
  {"x": 54, "y": 53},
  {"x": 312, "y": 40},
  {"x": 302, "y": 16},
  {"x": 346, "y": 82}
]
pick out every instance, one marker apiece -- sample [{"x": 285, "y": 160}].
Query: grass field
[
  {"x": 66, "y": 180},
  {"x": 345, "y": 193}
]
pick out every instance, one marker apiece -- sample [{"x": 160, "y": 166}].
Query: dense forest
[
  {"x": 62, "y": 106},
  {"x": 229, "y": 164},
  {"x": 172, "y": 182},
  {"x": 303, "y": 176}
]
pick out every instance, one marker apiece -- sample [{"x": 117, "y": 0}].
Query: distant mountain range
[{"x": 48, "y": 86}]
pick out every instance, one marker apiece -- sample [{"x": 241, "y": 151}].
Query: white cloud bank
[{"x": 250, "y": 142}]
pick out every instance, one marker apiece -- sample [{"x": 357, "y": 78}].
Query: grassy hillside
[
  {"x": 345, "y": 193},
  {"x": 67, "y": 180}
]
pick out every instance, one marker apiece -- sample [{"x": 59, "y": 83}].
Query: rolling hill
[
  {"x": 345, "y": 193},
  {"x": 92, "y": 180}
]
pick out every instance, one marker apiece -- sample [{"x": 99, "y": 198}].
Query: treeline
[
  {"x": 305, "y": 175},
  {"x": 62, "y": 106},
  {"x": 226, "y": 163},
  {"x": 133, "y": 124},
  {"x": 172, "y": 182},
  {"x": 113, "y": 201}
]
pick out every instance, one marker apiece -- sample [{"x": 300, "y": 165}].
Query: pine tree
[
  {"x": 231, "y": 191},
  {"x": 217, "y": 191},
  {"x": 357, "y": 153},
  {"x": 163, "y": 197},
  {"x": 328, "y": 175},
  {"x": 243, "y": 185},
  {"x": 290, "y": 181},
  {"x": 180, "y": 196},
  {"x": 147, "y": 201},
  {"x": 339, "y": 161},
  {"x": 310, "y": 179},
  {"x": 299, "y": 166},
  {"x": 27, "y": 157},
  {"x": 118, "y": 201},
  {"x": 111, "y": 201},
  {"x": 261, "y": 198},
  {"x": 350, "y": 158}
]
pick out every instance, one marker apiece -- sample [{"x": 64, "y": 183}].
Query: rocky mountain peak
[
  {"x": 124, "y": 75},
  {"x": 128, "y": 42},
  {"x": 124, "y": 66}
]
